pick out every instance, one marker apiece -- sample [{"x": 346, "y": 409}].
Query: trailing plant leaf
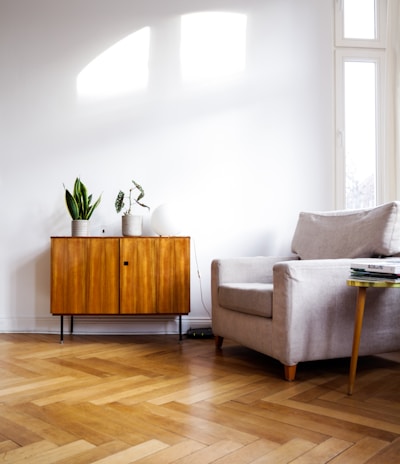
[
  {"x": 141, "y": 191},
  {"x": 119, "y": 202}
]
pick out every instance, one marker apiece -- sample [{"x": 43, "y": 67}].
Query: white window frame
[
  {"x": 380, "y": 29},
  {"x": 363, "y": 50}
]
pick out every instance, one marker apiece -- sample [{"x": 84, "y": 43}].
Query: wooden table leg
[{"x": 361, "y": 296}]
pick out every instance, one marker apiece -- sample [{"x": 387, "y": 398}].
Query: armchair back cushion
[{"x": 348, "y": 234}]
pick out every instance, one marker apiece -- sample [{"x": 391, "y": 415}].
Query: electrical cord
[{"x": 199, "y": 277}]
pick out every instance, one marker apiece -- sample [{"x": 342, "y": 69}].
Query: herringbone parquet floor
[{"x": 151, "y": 399}]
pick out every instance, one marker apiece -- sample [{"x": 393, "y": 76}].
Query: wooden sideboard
[{"x": 120, "y": 276}]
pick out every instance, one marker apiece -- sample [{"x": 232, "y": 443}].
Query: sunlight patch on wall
[
  {"x": 121, "y": 69},
  {"x": 213, "y": 45}
]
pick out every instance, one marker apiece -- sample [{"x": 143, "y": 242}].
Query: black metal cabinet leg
[
  {"x": 61, "y": 329},
  {"x": 180, "y": 328}
]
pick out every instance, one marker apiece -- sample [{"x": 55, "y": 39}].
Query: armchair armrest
[
  {"x": 241, "y": 271},
  {"x": 313, "y": 310}
]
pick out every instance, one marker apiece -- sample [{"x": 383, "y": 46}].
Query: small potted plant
[
  {"x": 80, "y": 207},
  {"x": 132, "y": 224}
]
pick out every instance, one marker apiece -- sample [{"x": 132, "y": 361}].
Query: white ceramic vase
[
  {"x": 132, "y": 225},
  {"x": 80, "y": 228}
]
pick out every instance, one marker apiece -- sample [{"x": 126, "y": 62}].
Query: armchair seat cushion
[{"x": 249, "y": 298}]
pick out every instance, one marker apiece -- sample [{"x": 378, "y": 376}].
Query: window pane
[
  {"x": 360, "y": 133},
  {"x": 359, "y": 19}
]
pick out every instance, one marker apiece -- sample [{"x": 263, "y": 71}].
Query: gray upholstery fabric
[
  {"x": 312, "y": 312},
  {"x": 348, "y": 234}
]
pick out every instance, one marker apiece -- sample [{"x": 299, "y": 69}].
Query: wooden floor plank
[
  {"x": 173, "y": 453},
  {"x": 103, "y": 451},
  {"x": 134, "y": 453},
  {"x": 7, "y": 446},
  {"x": 249, "y": 453},
  {"x": 277, "y": 428},
  {"x": 390, "y": 454},
  {"x": 26, "y": 453},
  {"x": 55, "y": 455},
  {"x": 346, "y": 416},
  {"x": 360, "y": 452},
  {"x": 324, "y": 452},
  {"x": 150, "y": 390},
  {"x": 287, "y": 452},
  {"x": 210, "y": 453}
]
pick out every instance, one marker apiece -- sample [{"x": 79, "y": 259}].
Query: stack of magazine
[{"x": 375, "y": 269}]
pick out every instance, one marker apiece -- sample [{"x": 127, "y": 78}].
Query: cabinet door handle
[{"x": 125, "y": 263}]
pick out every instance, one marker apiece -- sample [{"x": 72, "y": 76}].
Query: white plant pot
[
  {"x": 80, "y": 228},
  {"x": 132, "y": 225}
]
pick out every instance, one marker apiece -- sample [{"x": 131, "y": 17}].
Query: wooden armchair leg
[
  {"x": 290, "y": 372},
  {"x": 218, "y": 342}
]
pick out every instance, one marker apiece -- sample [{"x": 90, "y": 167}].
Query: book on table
[
  {"x": 377, "y": 265},
  {"x": 376, "y": 269},
  {"x": 374, "y": 276}
]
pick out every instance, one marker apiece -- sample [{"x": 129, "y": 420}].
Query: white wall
[{"x": 246, "y": 153}]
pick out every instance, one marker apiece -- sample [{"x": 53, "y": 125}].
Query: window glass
[
  {"x": 359, "y": 19},
  {"x": 360, "y": 133}
]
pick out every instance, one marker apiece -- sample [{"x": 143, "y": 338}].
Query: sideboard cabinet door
[
  {"x": 138, "y": 289},
  {"x": 84, "y": 275},
  {"x": 173, "y": 279},
  {"x": 155, "y": 275}
]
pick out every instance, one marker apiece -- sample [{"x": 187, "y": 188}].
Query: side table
[{"x": 362, "y": 286}]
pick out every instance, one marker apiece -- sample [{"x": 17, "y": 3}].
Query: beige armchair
[{"x": 299, "y": 308}]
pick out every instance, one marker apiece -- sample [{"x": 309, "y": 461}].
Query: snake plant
[{"x": 79, "y": 203}]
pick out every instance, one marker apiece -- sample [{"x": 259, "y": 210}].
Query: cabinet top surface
[{"x": 122, "y": 237}]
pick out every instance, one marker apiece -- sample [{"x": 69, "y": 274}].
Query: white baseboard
[{"x": 107, "y": 325}]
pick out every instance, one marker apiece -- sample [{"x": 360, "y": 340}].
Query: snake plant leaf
[
  {"x": 92, "y": 208},
  {"x": 84, "y": 200},
  {"x": 77, "y": 189},
  {"x": 77, "y": 196},
  {"x": 72, "y": 205}
]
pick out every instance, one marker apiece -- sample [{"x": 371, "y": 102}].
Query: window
[
  {"x": 360, "y": 67},
  {"x": 360, "y": 23}
]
